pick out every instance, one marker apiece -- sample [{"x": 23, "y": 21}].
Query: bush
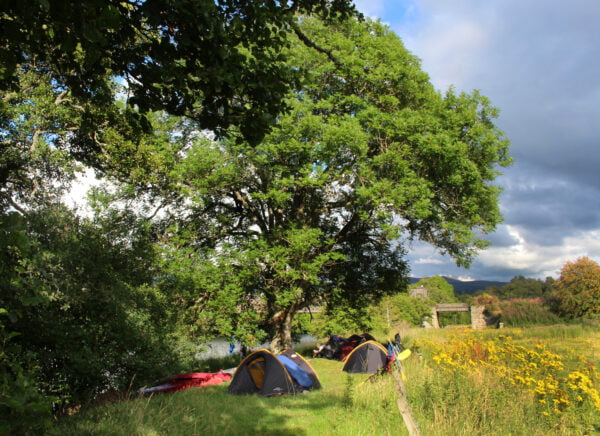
[
  {"x": 524, "y": 312},
  {"x": 23, "y": 409}
]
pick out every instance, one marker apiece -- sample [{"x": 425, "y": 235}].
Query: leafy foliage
[
  {"x": 577, "y": 291},
  {"x": 524, "y": 312},
  {"x": 521, "y": 287},
  {"x": 341, "y": 319},
  {"x": 47, "y": 135},
  {"x": 368, "y": 153},
  {"x": 491, "y": 303},
  {"x": 87, "y": 314},
  {"x": 219, "y": 62},
  {"x": 438, "y": 289},
  {"x": 22, "y": 407},
  {"x": 392, "y": 310},
  {"x": 76, "y": 295}
]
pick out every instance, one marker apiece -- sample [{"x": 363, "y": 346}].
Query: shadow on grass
[{"x": 207, "y": 411}]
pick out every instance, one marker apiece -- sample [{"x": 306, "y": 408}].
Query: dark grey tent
[
  {"x": 264, "y": 373},
  {"x": 368, "y": 358}
]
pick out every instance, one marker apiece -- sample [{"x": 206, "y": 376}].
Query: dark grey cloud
[
  {"x": 539, "y": 62},
  {"x": 547, "y": 207},
  {"x": 502, "y": 238}
]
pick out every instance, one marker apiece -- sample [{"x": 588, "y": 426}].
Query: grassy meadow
[{"x": 533, "y": 381}]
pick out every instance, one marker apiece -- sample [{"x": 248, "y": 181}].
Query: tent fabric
[
  {"x": 303, "y": 363},
  {"x": 257, "y": 371},
  {"x": 297, "y": 373},
  {"x": 181, "y": 382},
  {"x": 262, "y": 373},
  {"x": 367, "y": 358}
]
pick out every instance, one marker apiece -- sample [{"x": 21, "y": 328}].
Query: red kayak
[{"x": 179, "y": 382}]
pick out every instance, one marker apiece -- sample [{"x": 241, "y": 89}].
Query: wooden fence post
[{"x": 404, "y": 406}]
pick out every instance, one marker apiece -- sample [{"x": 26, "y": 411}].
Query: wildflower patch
[{"x": 556, "y": 386}]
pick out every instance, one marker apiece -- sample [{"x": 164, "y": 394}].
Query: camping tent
[
  {"x": 369, "y": 357},
  {"x": 354, "y": 341},
  {"x": 264, "y": 373}
]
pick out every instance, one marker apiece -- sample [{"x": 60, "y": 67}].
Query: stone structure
[
  {"x": 478, "y": 319},
  {"x": 420, "y": 292}
]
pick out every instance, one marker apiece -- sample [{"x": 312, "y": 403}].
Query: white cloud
[
  {"x": 540, "y": 261},
  {"x": 429, "y": 261},
  {"x": 449, "y": 53}
]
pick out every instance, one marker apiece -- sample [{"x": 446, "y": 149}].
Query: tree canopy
[
  {"x": 438, "y": 289},
  {"x": 577, "y": 291},
  {"x": 521, "y": 287},
  {"x": 369, "y": 156},
  {"x": 78, "y": 310},
  {"x": 218, "y": 62}
]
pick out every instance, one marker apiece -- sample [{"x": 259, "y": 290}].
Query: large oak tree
[{"x": 369, "y": 157}]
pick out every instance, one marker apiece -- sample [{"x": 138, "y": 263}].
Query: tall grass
[
  {"x": 508, "y": 381},
  {"x": 348, "y": 405},
  {"x": 445, "y": 401}
]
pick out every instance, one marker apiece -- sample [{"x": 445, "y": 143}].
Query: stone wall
[{"x": 478, "y": 319}]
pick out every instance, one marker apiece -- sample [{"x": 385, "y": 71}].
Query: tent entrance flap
[{"x": 257, "y": 371}]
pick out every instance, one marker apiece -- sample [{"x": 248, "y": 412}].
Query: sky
[{"x": 538, "y": 61}]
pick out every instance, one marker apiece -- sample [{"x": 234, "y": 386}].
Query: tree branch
[
  {"x": 311, "y": 44},
  {"x": 17, "y": 207}
]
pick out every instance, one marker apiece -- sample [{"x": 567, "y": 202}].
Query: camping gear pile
[
  {"x": 361, "y": 354},
  {"x": 338, "y": 347}
]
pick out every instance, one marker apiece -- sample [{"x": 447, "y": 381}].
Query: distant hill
[{"x": 466, "y": 287}]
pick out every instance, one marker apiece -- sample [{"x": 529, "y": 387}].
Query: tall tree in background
[
  {"x": 218, "y": 62},
  {"x": 577, "y": 291},
  {"x": 438, "y": 289},
  {"x": 370, "y": 155},
  {"x": 521, "y": 287}
]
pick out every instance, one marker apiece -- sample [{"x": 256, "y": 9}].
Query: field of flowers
[{"x": 545, "y": 380}]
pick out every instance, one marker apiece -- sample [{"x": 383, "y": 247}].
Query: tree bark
[{"x": 282, "y": 330}]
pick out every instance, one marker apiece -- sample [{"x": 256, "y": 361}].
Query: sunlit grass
[
  {"x": 349, "y": 404},
  {"x": 447, "y": 399}
]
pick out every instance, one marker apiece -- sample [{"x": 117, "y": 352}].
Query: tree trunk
[{"x": 282, "y": 330}]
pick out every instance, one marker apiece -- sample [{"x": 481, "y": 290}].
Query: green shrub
[{"x": 524, "y": 312}]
